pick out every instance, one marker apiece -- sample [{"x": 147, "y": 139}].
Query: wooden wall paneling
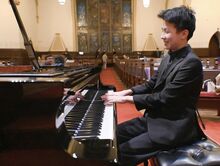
[{"x": 15, "y": 56}]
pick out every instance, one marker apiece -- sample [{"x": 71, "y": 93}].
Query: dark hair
[
  {"x": 182, "y": 17},
  {"x": 48, "y": 56},
  {"x": 59, "y": 60}
]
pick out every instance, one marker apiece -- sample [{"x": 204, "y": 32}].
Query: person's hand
[
  {"x": 65, "y": 91},
  {"x": 110, "y": 99},
  {"x": 119, "y": 93},
  {"x": 73, "y": 99}
]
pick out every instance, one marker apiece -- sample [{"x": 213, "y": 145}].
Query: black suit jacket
[{"x": 170, "y": 99}]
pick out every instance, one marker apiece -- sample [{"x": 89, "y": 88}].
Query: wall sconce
[
  {"x": 61, "y": 2},
  {"x": 146, "y": 3}
]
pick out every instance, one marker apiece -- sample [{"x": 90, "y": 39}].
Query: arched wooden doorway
[{"x": 214, "y": 45}]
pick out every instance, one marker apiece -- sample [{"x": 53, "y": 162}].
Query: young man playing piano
[{"x": 169, "y": 98}]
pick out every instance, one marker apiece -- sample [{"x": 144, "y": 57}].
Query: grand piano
[{"x": 39, "y": 127}]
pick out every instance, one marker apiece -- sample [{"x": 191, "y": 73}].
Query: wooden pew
[
  {"x": 209, "y": 100},
  {"x": 133, "y": 71},
  {"x": 210, "y": 73}
]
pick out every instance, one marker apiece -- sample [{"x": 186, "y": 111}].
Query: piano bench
[{"x": 204, "y": 152}]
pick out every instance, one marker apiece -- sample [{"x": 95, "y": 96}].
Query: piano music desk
[{"x": 209, "y": 100}]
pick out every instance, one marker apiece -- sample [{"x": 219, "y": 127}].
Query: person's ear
[{"x": 185, "y": 34}]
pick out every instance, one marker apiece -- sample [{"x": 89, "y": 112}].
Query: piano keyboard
[
  {"x": 90, "y": 126},
  {"x": 89, "y": 118}
]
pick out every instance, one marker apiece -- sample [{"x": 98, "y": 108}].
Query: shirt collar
[{"x": 180, "y": 52}]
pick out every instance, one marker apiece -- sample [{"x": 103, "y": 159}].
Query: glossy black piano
[{"x": 37, "y": 125}]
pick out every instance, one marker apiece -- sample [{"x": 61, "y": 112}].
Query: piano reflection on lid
[{"x": 53, "y": 60}]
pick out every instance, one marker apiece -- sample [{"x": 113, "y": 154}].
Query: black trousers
[{"x": 134, "y": 143}]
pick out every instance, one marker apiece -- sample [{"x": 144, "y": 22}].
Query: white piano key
[
  {"x": 107, "y": 131},
  {"x": 59, "y": 120}
]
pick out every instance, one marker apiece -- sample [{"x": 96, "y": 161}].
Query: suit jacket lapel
[
  {"x": 162, "y": 77},
  {"x": 164, "y": 73},
  {"x": 162, "y": 70}
]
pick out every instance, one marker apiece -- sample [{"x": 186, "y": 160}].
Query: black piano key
[
  {"x": 91, "y": 125},
  {"x": 72, "y": 126},
  {"x": 74, "y": 118},
  {"x": 91, "y": 132},
  {"x": 86, "y": 126},
  {"x": 86, "y": 130},
  {"x": 86, "y": 137},
  {"x": 92, "y": 117},
  {"x": 87, "y": 123}
]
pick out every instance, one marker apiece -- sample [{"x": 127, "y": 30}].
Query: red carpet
[{"x": 213, "y": 130}]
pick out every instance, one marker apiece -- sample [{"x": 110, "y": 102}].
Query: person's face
[
  {"x": 173, "y": 39},
  {"x": 50, "y": 60}
]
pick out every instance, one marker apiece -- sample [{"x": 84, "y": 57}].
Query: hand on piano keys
[
  {"x": 116, "y": 97},
  {"x": 120, "y": 93},
  {"x": 75, "y": 98}
]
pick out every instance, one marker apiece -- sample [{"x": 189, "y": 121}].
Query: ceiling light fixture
[
  {"x": 61, "y": 2},
  {"x": 146, "y": 3}
]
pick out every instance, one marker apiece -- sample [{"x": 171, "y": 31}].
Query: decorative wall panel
[{"x": 105, "y": 24}]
